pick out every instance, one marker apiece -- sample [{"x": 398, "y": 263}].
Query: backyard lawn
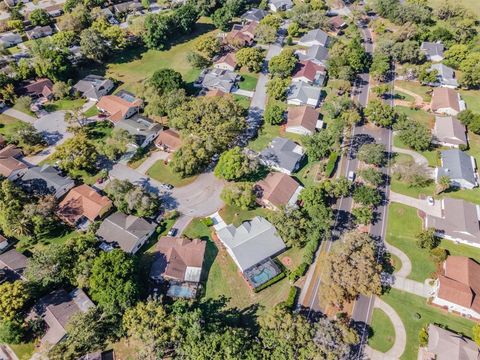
[
  {"x": 8, "y": 124},
  {"x": 383, "y": 333},
  {"x": 23, "y": 351},
  {"x": 471, "y": 99},
  {"x": 403, "y": 96},
  {"x": 164, "y": 173},
  {"x": 234, "y": 215},
  {"x": 249, "y": 81},
  {"x": 408, "y": 306},
  {"x": 431, "y": 155},
  {"x": 57, "y": 236}
]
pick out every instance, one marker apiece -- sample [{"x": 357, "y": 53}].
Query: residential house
[
  {"x": 142, "y": 129},
  {"x": 119, "y": 106},
  {"x": 459, "y": 167},
  {"x": 303, "y": 120},
  {"x": 99, "y": 355},
  {"x": 309, "y": 72},
  {"x": 127, "y": 6},
  {"x": 54, "y": 10},
  {"x": 337, "y": 24},
  {"x": 14, "y": 264},
  {"x": 280, "y": 5},
  {"x": 46, "y": 180},
  {"x": 178, "y": 261},
  {"x": 39, "y": 32},
  {"x": 459, "y": 222},
  {"x": 93, "y": 87},
  {"x": 432, "y": 50},
  {"x": 57, "y": 309},
  {"x": 283, "y": 155},
  {"x": 4, "y": 244},
  {"x": 217, "y": 79},
  {"x": 444, "y": 344},
  {"x": 10, "y": 39},
  {"x": 125, "y": 231},
  {"x": 168, "y": 140},
  {"x": 12, "y": 168},
  {"x": 277, "y": 190},
  {"x": 314, "y": 37},
  {"x": 241, "y": 35},
  {"x": 316, "y": 53},
  {"x": 3, "y": 142},
  {"x": 40, "y": 88},
  {"x": 226, "y": 62},
  {"x": 449, "y": 131},
  {"x": 446, "y": 76},
  {"x": 446, "y": 101},
  {"x": 10, "y": 151},
  {"x": 216, "y": 93},
  {"x": 457, "y": 288},
  {"x": 301, "y": 93},
  {"x": 83, "y": 205},
  {"x": 254, "y": 15}
]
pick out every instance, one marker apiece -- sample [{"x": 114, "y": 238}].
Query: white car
[
  {"x": 430, "y": 201},
  {"x": 351, "y": 176}
]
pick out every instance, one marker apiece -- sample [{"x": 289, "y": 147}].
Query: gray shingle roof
[
  {"x": 139, "y": 127},
  {"x": 317, "y": 36},
  {"x": 252, "y": 242},
  {"x": 282, "y": 153},
  {"x": 45, "y": 179},
  {"x": 219, "y": 79},
  {"x": 91, "y": 85},
  {"x": 457, "y": 165},
  {"x": 445, "y": 73},
  {"x": 13, "y": 261},
  {"x": 447, "y": 345},
  {"x": 450, "y": 130},
  {"x": 432, "y": 48},
  {"x": 254, "y": 15},
  {"x": 303, "y": 92}
]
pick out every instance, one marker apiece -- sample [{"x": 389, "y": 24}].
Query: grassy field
[
  {"x": 469, "y": 4},
  {"x": 407, "y": 305},
  {"x": 249, "y": 81},
  {"x": 164, "y": 173},
  {"x": 65, "y": 104},
  {"x": 8, "y": 125},
  {"x": 134, "y": 66},
  {"x": 234, "y": 215},
  {"x": 383, "y": 332},
  {"x": 419, "y": 115},
  {"x": 471, "y": 98},
  {"x": 415, "y": 87}
]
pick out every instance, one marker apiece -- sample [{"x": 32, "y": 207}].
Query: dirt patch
[{"x": 287, "y": 261}]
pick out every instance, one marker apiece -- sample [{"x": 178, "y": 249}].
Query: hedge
[
  {"x": 292, "y": 296},
  {"x": 307, "y": 260},
  {"x": 332, "y": 161},
  {"x": 270, "y": 282}
]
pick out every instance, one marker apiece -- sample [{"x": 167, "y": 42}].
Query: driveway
[
  {"x": 152, "y": 159},
  {"x": 417, "y": 157},
  {"x": 420, "y": 204},
  {"x": 19, "y": 115},
  {"x": 242, "y": 92}
]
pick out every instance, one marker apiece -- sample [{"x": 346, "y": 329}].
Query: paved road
[{"x": 19, "y": 115}]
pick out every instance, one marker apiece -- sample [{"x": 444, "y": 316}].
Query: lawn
[
  {"x": 383, "y": 333},
  {"x": 91, "y": 111},
  {"x": 418, "y": 115},
  {"x": 471, "y": 99},
  {"x": 57, "y": 236},
  {"x": 134, "y": 66},
  {"x": 164, "y": 173},
  {"x": 243, "y": 101},
  {"x": 472, "y": 5},
  {"x": 234, "y": 215},
  {"x": 402, "y": 96},
  {"x": 268, "y": 132},
  {"x": 249, "y": 81},
  {"x": 402, "y": 188},
  {"x": 408, "y": 305},
  {"x": 431, "y": 155},
  {"x": 23, "y": 351},
  {"x": 224, "y": 278},
  {"x": 20, "y": 107},
  {"x": 8, "y": 125},
  {"x": 65, "y": 104},
  {"x": 415, "y": 87}
]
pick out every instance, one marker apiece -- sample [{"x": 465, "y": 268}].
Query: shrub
[
  {"x": 207, "y": 221},
  {"x": 298, "y": 272},
  {"x": 463, "y": 147},
  {"x": 426, "y": 239},
  {"x": 332, "y": 161},
  {"x": 270, "y": 282},
  {"x": 423, "y": 337},
  {"x": 438, "y": 255},
  {"x": 292, "y": 296}
]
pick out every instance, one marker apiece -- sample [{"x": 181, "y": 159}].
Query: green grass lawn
[
  {"x": 471, "y": 98},
  {"x": 8, "y": 125},
  {"x": 415, "y": 87},
  {"x": 418, "y": 115},
  {"x": 402, "y": 188},
  {"x": 224, "y": 277},
  {"x": 23, "y": 351},
  {"x": 403, "y": 96},
  {"x": 249, "y": 81},
  {"x": 472, "y": 5},
  {"x": 92, "y": 111},
  {"x": 407, "y": 305},
  {"x": 234, "y": 215},
  {"x": 383, "y": 332},
  {"x": 308, "y": 173},
  {"x": 431, "y": 155},
  {"x": 57, "y": 236},
  {"x": 265, "y": 135},
  {"x": 164, "y": 173},
  {"x": 65, "y": 104},
  {"x": 243, "y": 101},
  {"x": 21, "y": 108}
]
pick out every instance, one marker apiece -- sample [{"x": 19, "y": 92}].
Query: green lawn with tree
[
  {"x": 383, "y": 332},
  {"x": 164, "y": 173},
  {"x": 248, "y": 82}
]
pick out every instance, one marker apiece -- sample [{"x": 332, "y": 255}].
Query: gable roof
[
  {"x": 432, "y": 48},
  {"x": 309, "y": 70},
  {"x": 337, "y": 22},
  {"x": 303, "y": 92},
  {"x": 178, "y": 258},
  {"x": 10, "y": 38},
  {"x": 283, "y": 152},
  {"x": 252, "y": 242},
  {"x": 304, "y": 116},
  {"x": 447, "y": 345},
  {"x": 139, "y": 127},
  {"x": 254, "y": 15},
  {"x": 124, "y": 230},
  {"x": 116, "y": 106},
  {"x": 317, "y": 36},
  {"x": 278, "y": 188},
  {"x": 9, "y": 164},
  {"x": 445, "y": 73},
  {"x": 169, "y": 138},
  {"x": 11, "y": 151},
  {"x": 82, "y": 201},
  {"x": 39, "y": 87},
  {"x": 14, "y": 261},
  {"x": 450, "y": 130},
  {"x": 91, "y": 85},
  {"x": 457, "y": 165},
  {"x": 39, "y": 31},
  {"x": 46, "y": 177},
  {"x": 219, "y": 79},
  {"x": 445, "y": 98},
  {"x": 228, "y": 59}
]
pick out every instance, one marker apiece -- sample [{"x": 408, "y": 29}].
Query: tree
[
  {"x": 427, "y": 76},
  {"x": 162, "y": 105},
  {"x": 11, "y": 332},
  {"x": 415, "y": 135},
  {"x": 185, "y": 17},
  {"x": 380, "y": 66},
  {"x": 319, "y": 145},
  {"x": 251, "y": 58},
  {"x": 191, "y": 158},
  {"x": 412, "y": 173},
  {"x": 76, "y": 20},
  {"x": 426, "y": 239},
  {"x": 117, "y": 143},
  {"x": 101, "y": 39},
  {"x": 438, "y": 255},
  {"x": 293, "y": 226},
  {"x": 283, "y": 64},
  {"x": 334, "y": 339},
  {"x": 363, "y": 215},
  {"x": 65, "y": 39},
  {"x": 221, "y": 18},
  {"x": 470, "y": 68},
  {"x": 371, "y": 176},
  {"x": 293, "y": 29},
  {"x": 423, "y": 337},
  {"x": 274, "y": 114},
  {"x": 233, "y": 165},
  {"x": 13, "y": 298},
  {"x": 49, "y": 60},
  {"x": 166, "y": 80},
  {"x": 352, "y": 269},
  {"x": 240, "y": 195},
  {"x": 77, "y": 153},
  {"x": 265, "y": 34},
  {"x": 112, "y": 282},
  {"x": 25, "y": 136},
  {"x": 444, "y": 184},
  {"x": 209, "y": 46},
  {"x": 39, "y": 17},
  {"x": 277, "y": 88},
  {"x": 197, "y": 60},
  {"x": 380, "y": 114},
  {"x": 157, "y": 31},
  {"x": 132, "y": 199},
  {"x": 455, "y": 55},
  {"x": 367, "y": 196},
  {"x": 476, "y": 333},
  {"x": 12, "y": 219},
  {"x": 372, "y": 154},
  {"x": 60, "y": 90}
]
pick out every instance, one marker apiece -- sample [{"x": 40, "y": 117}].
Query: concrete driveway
[
  {"x": 152, "y": 159},
  {"x": 420, "y": 204}
]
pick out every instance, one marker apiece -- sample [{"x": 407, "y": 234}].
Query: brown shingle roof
[
  {"x": 9, "y": 164},
  {"x": 277, "y": 188},
  {"x": 308, "y": 69},
  {"x": 40, "y": 87},
  {"x": 170, "y": 139},
  {"x": 116, "y": 107},
  {"x": 11, "y": 151},
  {"x": 228, "y": 59},
  {"x": 82, "y": 201},
  {"x": 304, "y": 116},
  {"x": 445, "y": 98}
]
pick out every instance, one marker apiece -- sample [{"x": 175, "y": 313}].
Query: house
[
  {"x": 277, "y": 190},
  {"x": 241, "y": 35},
  {"x": 301, "y": 93},
  {"x": 314, "y": 37},
  {"x": 10, "y": 39},
  {"x": 446, "y": 76},
  {"x": 83, "y": 205},
  {"x": 11, "y": 151},
  {"x": 126, "y": 231},
  {"x": 54, "y": 10},
  {"x": 447, "y": 345},
  {"x": 93, "y": 87},
  {"x": 316, "y": 53},
  {"x": 457, "y": 288},
  {"x": 254, "y": 15},
  {"x": 283, "y": 155},
  {"x": 446, "y": 101},
  {"x": 280, "y": 5},
  {"x": 57, "y": 309},
  {"x": 178, "y": 261},
  {"x": 14, "y": 264},
  {"x": 168, "y": 140},
  {"x": 128, "y": 6},
  {"x": 99, "y": 355},
  {"x": 459, "y": 167},
  {"x": 216, "y": 93},
  {"x": 39, "y": 88},
  {"x": 337, "y": 24},
  {"x": 142, "y": 129},
  {"x": 449, "y": 131},
  {"x": 217, "y": 79},
  {"x": 459, "y": 222},
  {"x": 432, "y": 50},
  {"x": 302, "y": 120},
  {"x": 309, "y": 72},
  {"x": 11, "y": 168},
  {"x": 39, "y": 32},
  {"x": 226, "y": 62},
  {"x": 4, "y": 244},
  {"x": 46, "y": 180},
  {"x": 119, "y": 106}
]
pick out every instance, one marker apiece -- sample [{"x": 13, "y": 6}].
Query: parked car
[
  {"x": 172, "y": 232},
  {"x": 430, "y": 201},
  {"x": 351, "y": 176}
]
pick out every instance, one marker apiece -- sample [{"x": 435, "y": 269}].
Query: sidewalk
[{"x": 413, "y": 287}]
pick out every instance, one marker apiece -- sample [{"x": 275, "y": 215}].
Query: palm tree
[{"x": 443, "y": 184}]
